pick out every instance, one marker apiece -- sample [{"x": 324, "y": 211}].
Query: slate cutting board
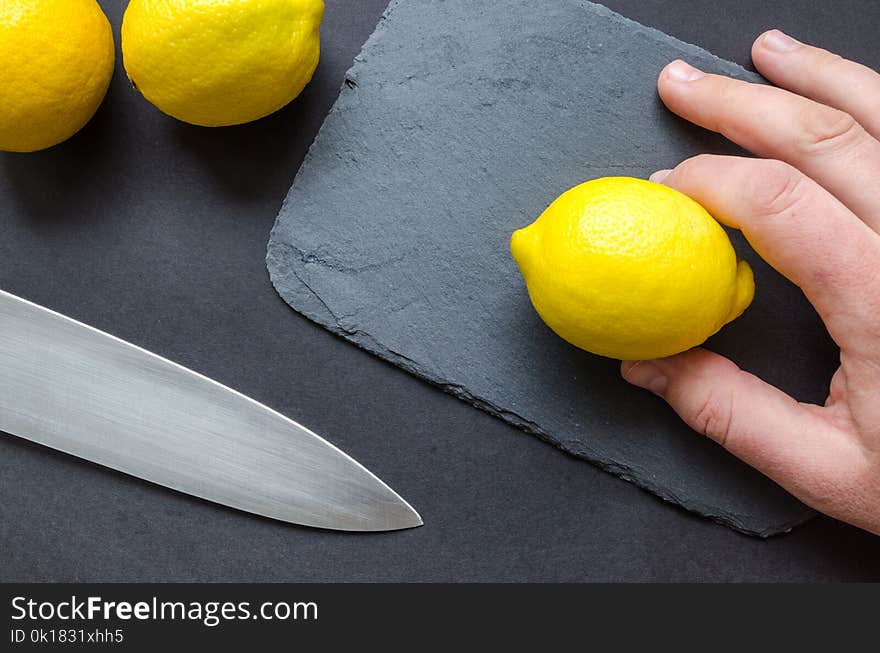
[{"x": 460, "y": 122}]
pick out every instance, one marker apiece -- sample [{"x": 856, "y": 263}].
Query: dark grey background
[{"x": 155, "y": 231}]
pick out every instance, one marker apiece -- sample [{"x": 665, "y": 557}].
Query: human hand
[{"x": 812, "y": 210}]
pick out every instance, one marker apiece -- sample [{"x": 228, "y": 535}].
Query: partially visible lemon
[
  {"x": 630, "y": 269},
  {"x": 221, "y": 62},
  {"x": 56, "y": 61}
]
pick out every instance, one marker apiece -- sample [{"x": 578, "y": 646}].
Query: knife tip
[
  {"x": 401, "y": 517},
  {"x": 412, "y": 519}
]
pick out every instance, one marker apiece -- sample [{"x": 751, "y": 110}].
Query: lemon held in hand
[
  {"x": 631, "y": 269},
  {"x": 221, "y": 62},
  {"x": 56, "y": 61}
]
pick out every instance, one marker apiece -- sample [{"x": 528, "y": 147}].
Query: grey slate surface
[{"x": 459, "y": 123}]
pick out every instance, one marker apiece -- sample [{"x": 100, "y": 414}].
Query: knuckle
[
  {"x": 695, "y": 165},
  {"x": 701, "y": 159},
  {"x": 714, "y": 418},
  {"x": 827, "y": 130},
  {"x": 779, "y": 188},
  {"x": 830, "y": 64}
]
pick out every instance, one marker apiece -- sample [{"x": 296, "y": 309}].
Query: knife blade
[{"x": 76, "y": 389}]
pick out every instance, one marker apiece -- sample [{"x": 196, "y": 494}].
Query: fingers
[
  {"x": 756, "y": 422},
  {"x": 801, "y": 230},
  {"x": 825, "y": 143},
  {"x": 820, "y": 75}
]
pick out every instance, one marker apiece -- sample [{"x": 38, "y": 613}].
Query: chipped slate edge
[{"x": 282, "y": 260}]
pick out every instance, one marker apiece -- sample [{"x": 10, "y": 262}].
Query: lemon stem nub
[
  {"x": 744, "y": 290},
  {"x": 520, "y": 247}
]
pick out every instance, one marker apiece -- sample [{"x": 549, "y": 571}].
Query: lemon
[
  {"x": 56, "y": 61},
  {"x": 631, "y": 269},
  {"x": 221, "y": 62}
]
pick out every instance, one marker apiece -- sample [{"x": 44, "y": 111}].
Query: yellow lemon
[
  {"x": 221, "y": 62},
  {"x": 630, "y": 269},
  {"x": 56, "y": 61}
]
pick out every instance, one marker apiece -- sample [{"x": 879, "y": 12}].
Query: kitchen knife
[{"x": 76, "y": 389}]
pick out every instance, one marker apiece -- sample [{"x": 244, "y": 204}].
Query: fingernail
[
  {"x": 779, "y": 41},
  {"x": 659, "y": 176},
  {"x": 682, "y": 72},
  {"x": 645, "y": 374}
]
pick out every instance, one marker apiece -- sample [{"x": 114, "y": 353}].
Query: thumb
[{"x": 768, "y": 429}]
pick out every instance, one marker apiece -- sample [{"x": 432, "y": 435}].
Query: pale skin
[{"x": 810, "y": 208}]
